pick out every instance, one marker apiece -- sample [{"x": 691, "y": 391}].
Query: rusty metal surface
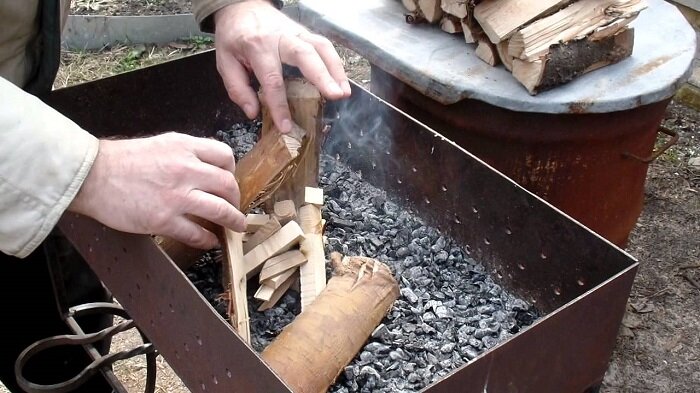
[
  {"x": 578, "y": 162},
  {"x": 445, "y": 68},
  {"x": 576, "y": 278},
  {"x": 200, "y": 346}
]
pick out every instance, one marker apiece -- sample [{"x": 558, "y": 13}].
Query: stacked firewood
[{"x": 544, "y": 43}]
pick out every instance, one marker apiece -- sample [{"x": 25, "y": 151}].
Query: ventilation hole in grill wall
[
  {"x": 498, "y": 274},
  {"x": 214, "y": 380},
  {"x": 89, "y": 248},
  {"x": 458, "y": 220},
  {"x": 444, "y": 188},
  {"x": 170, "y": 306},
  {"x": 427, "y": 201},
  {"x": 138, "y": 287},
  {"x": 153, "y": 323},
  {"x": 109, "y": 269},
  {"x": 487, "y": 241},
  {"x": 468, "y": 249},
  {"x": 557, "y": 291},
  {"x": 187, "y": 347},
  {"x": 124, "y": 250},
  {"x": 543, "y": 255},
  {"x": 199, "y": 340},
  {"x": 414, "y": 169},
  {"x": 131, "y": 297},
  {"x": 474, "y": 209},
  {"x": 228, "y": 374},
  {"x": 508, "y": 231},
  {"x": 148, "y": 277},
  {"x": 177, "y": 354},
  {"x": 580, "y": 282},
  {"x": 204, "y": 387}
]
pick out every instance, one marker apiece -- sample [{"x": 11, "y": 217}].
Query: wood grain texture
[
  {"x": 262, "y": 234},
  {"x": 568, "y": 60},
  {"x": 238, "y": 302},
  {"x": 573, "y": 23},
  {"x": 281, "y": 263},
  {"x": 312, "y": 274},
  {"x": 312, "y": 351},
  {"x": 289, "y": 236},
  {"x": 501, "y": 18}
]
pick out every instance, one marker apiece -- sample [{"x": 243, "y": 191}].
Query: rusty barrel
[
  {"x": 584, "y": 146},
  {"x": 590, "y": 165}
]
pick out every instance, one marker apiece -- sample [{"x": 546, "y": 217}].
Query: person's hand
[
  {"x": 253, "y": 35},
  {"x": 155, "y": 185}
]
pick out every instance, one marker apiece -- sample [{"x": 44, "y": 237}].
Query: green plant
[
  {"x": 132, "y": 59},
  {"x": 200, "y": 42}
]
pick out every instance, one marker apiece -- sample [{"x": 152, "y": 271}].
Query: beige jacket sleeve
[{"x": 44, "y": 158}]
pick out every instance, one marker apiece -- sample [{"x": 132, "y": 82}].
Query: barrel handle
[{"x": 654, "y": 155}]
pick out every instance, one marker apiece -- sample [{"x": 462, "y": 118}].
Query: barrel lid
[{"x": 443, "y": 67}]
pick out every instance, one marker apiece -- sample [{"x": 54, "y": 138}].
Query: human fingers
[
  {"x": 267, "y": 67},
  {"x": 237, "y": 82},
  {"x": 331, "y": 59},
  {"x": 297, "y": 52},
  {"x": 214, "y": 152},
  {"x": 187, "y": 231},
  {"x": 215, "y": 209},
  {"x": 217, "y": 181}
]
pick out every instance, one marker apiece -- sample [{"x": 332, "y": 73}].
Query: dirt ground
[{"x": 658, "y": 347}]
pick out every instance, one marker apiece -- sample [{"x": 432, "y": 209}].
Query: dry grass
[{"x": 84, "y": 66}]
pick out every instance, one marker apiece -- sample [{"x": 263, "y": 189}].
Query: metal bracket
[
  {"x": 656, "y": 154},
  {"x": 100, "y": 363}
]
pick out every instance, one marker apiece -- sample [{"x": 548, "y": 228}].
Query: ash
[{"x": 449, "y": 310}]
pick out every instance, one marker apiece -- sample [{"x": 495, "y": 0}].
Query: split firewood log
[
  {"x": 568, "y": 60},
  {"x": 312, "y": 351}
]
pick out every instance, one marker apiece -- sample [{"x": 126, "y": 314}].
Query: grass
[{"x": 84, "y": 66}]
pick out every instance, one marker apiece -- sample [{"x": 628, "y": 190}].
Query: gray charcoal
[
  {"x": 442, "y": 312},
  {"x": 376, "y": 347},
  {"x": 449, "y": 311},
  {"x": 409, "y": 295},
  {"x": 447, "y": 348}
]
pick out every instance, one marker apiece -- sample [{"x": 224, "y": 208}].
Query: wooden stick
[
  {"x": 281, "y": 263},
  {"x": 264, "y": 293},
  {"x": 277, "y": 281},
  {"x": 253, "y": 222},
  {"x": 313, "y": 196},
  {"x": 285, "y": 211},
  {"x": 266, "y": 164},
  {"x": 238, "y": 304},
  {"x": 312, "y": 351},
  {"x": 262, "y": 234},
  {"x": 289, "y": 236},
  {"x": 313, "y": 272},
  {"x": 306, "y": 107},
  {"x": 279, "y": 292},
  {"x": 506, "y": 59}
]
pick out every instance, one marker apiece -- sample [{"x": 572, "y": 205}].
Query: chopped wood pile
[
  {"x": 544, "y": 43},
  {"x": 283, "y": 248}
]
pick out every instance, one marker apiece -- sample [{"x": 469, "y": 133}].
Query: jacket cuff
[
  {"x": 204, "y": 11},
  {"x": 45, "y": 160}
]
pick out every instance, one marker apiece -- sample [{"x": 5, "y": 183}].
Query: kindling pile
[{"x": 544, "y": 43}]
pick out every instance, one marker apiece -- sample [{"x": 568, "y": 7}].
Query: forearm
[{"x": 44, "y": 159}]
